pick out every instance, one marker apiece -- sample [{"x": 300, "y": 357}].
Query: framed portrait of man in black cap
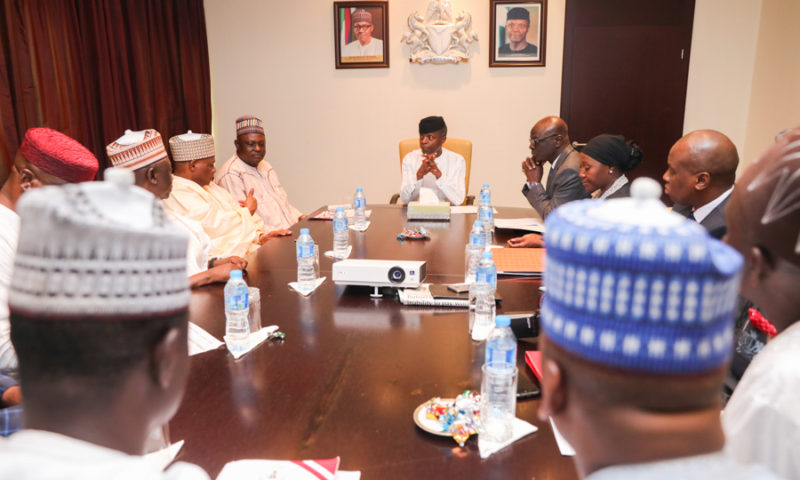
[
  {"x": 517, "y": 32},
  {"x": 361, "y": 34}
]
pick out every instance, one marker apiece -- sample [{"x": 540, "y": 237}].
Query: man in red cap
[{"x": 46, "y": 157}]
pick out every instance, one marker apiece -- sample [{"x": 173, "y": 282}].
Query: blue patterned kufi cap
[{"x": 635, "y": 286}]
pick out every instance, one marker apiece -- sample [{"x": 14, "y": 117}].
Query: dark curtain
[{"x": 93, "y": 68}]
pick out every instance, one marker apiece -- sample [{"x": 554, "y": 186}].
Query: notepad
[{"x": 519, "y": 261}]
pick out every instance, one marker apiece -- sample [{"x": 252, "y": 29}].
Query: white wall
[
  {"x": 724, "y": 42},
  {"x": 330, "y": 130},
  {"x": 775, "y": 97}
]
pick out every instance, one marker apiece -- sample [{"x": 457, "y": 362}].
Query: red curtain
[{"x": 93, "y": 68}]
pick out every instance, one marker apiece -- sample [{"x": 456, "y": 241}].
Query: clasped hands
[
  {"x": 533, "y": 170},
  {"x": 428, "y": 166}
]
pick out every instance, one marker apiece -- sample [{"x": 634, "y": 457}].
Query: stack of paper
[{"x": 527, "y": 224}]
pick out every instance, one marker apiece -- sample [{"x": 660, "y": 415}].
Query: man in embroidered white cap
[
  {"x": 143, "y": 152},
  {"x": 761, "y": 420},
  {"x": 637, "y": 337},
  {"x": 247, "y": 174},
  {"x": 234, "y": 230},
  {"x": 45, "y": 157},
  {"x": 100, "y": 325},
  {"x": 365, "y": 45}
]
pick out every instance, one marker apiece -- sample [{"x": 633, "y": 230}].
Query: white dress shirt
[
  {"x": 762, "y": 418},
  {"x": 701, "y": 213},
  {"x": 449, "y": 187},
  {"x": 701, "y": 467}
]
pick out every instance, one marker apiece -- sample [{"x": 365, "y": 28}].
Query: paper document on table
[
  {"x": 201, "y": 341},
  {"x": 456, "y": 209},
  {"x": 286, "y": 470},
  {"x": 563, "y": 445},
  {"x": 527, "y": 224},
  {"x": 331, "y": 211},
  {"x": 519, "y": 261}
]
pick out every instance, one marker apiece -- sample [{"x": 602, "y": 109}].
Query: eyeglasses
[
  {"x": 361, "y": 27},
  {"x": 536, "y": 141}
]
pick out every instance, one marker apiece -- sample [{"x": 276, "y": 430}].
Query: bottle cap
[
  {"x": 502, "y": 320},
  {"x": 359, "y": 189},
  {"x": 236, "y": 274},
  {"x": 339, "y": 209},
  {"x": 486, "y": 255},
  {"x": 485, "y": 185},
  {"x": 304, "y": 231},
  {"x": 477, "y": 223}
]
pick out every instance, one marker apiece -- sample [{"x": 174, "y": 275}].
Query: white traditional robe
[
  {"x": 701, "y": 467},
  {"x": 231, "y": 228},
  {"x": 199, "y": 243},
  {"x": 449, "y": 187},
  {"x": 40, "y": 455},
  {"x": 274, "y": 208},
  {"x": 354, "y": 49},
  {"x": 9, "y": 234},
  {"x": 762, "y": 418}
]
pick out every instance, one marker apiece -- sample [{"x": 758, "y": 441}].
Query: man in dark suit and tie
[
  {"x": 701, "y": 169},
  {"x": 550, "y": 143}
]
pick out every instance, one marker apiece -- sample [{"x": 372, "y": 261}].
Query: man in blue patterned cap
[{"x": 638, "y": 327}]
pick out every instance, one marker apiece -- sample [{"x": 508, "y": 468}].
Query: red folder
[{"x": 534, "y": 360}]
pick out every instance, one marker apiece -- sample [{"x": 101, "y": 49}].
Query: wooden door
[{"x": 626, "y": 64}]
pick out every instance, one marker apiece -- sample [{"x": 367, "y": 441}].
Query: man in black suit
[{"x": 701, "y": 169}]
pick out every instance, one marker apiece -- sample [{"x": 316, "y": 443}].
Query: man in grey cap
[{"x": 518, "y": 21}]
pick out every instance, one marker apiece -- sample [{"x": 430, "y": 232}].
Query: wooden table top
[{"x": 352, "y": 369}]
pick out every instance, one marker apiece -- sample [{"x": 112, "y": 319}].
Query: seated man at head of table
[
  {"x": 248, "y": 175},
  {"x": 762, "y": 419},
  {"x": 549, "y": 142},
  {"x": 234, "y": 230},
  {"x": 701, "y": 169},
  {"x": 100, "y": 326},
  {"x": 433, "y": 166},
  {"x": 635, "y": 349},
  {"x": 45, "y": 157},
  {"x": 143, "y": 153}
]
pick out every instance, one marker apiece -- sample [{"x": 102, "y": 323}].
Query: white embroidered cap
[
  {"x": 191, "y": 146},
  {"x": 98, "y": 250},
  {"x": 135, "y": 150}
]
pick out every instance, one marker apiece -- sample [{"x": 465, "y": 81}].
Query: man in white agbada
[
  {"x": 143, "y": 152},
  {"x": 234, "y": 230},
  {"x": 365, "y": 45},
  {"x": 103, "y": 369},
  {"x": 247, "y": 174},
  {"x": 762, "y": 418},
  {"x": 45, "y": 157},
  {"x": 432, "y": 166}
]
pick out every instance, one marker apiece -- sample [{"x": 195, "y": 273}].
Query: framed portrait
[
  {"x": 517, "y": 33},
  {"x": 361, "y": 34}
]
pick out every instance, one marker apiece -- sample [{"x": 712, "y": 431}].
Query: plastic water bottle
[
  {"x": 486, "y": 213},
  {"x": 237, "y": 305},
  {"x": 501, "y": 346},
  {"x": 341, "y": 236},
  {"x": 485, "y": 273},
  {"x": 360, "y": 207},
  {"x": 472, "y": 253},
  {"x": 498, "y": 401},
  {"x": 306, "y": 261}
]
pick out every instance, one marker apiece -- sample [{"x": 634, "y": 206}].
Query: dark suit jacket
[
  {"x": 563, "y": 186},
  {"x": 714, "y": 223}
]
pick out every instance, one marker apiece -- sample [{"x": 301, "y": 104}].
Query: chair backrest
[{"x": 459, "y": 145}]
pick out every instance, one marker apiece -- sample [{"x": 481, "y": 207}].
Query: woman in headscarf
[{"x": 604, "y": 162}]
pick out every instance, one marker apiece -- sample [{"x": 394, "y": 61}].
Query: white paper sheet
[
  {"x": 296, "y": 287},
  {"x": 521, "y": 428},
  {"x": 527, "y": 224},
  {"x": 201, "y": 341},
  {"x": 253, "y": 340},
  {"x": 276, "y": 470},
  {"x": 563, "y": 445}
]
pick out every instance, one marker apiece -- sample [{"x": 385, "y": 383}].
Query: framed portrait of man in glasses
[
  {"x": 517, "y": 33},
  {"x": 361, "y": 34}
]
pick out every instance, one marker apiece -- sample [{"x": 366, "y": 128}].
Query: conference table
[{"x": 352, "y": 369}]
